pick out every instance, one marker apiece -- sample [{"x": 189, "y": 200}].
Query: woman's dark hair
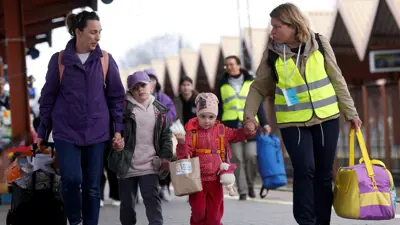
[
  {"x": 80, "y": 21},
  {"x": 185, "y": 78}
]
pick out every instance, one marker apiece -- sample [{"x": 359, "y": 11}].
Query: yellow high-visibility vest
[
  {"x": 315, "y": 95},
  {"x": 233, "y": 104}
]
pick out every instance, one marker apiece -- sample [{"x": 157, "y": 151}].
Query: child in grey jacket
[{"x": 146, "y": 152}]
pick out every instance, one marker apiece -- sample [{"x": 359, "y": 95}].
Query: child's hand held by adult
[
  {"x": 250, "y": 127},
  {"x": 118, "y": 145}
]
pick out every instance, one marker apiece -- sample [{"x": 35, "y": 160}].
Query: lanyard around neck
[{"x": 284, "y": 63}]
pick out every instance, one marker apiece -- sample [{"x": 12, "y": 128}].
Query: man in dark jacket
[{"x": 232, "y": 93}]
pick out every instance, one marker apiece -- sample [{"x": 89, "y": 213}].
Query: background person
[
  {"x": 185, "y": 102},
  {"x": 232, "y": 93},
  {"x": 165, "y": 191}
]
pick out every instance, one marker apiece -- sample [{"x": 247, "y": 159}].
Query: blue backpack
[{"x": 270, "y": 162}]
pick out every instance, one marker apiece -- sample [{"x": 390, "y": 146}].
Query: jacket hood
[
  {"x": 310, "y": 46},
  {"x": 152, "y": 73}
]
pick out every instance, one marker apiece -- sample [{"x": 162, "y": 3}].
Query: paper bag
[{"x": 185, "y": 176}]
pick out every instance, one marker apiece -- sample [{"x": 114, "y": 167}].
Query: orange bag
[{"x": 14, "y": 172}]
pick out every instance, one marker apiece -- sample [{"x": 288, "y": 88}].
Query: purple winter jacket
[
  {"x": 78, "y": 110},
  {"x": 161, "y": 97},
  {"x": 167, "y": 102}
]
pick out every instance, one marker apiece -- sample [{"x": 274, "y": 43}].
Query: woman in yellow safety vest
[{"x": 299, "y": 69}]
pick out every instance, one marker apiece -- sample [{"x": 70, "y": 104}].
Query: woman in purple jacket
[
  {"x": 80, "y": 106},
  {"x": 167, "y": 102}
]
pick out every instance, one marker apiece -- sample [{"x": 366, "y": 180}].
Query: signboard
[{"x": 383, "y": 61}]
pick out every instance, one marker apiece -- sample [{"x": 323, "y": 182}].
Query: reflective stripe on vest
[
  {"x": 316, "y": 96},
  {"x": 232, "y": 104}
]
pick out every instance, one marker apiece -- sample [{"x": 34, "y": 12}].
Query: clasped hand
[
  {"x": 251, "y": 126},
  {"x": 118, "y": 142}
]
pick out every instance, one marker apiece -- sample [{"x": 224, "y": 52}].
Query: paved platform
[{"x": 275, "y": 209}]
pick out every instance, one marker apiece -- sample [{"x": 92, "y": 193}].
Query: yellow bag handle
[
  {"x": 380, "y": 163},
  {"x": 373, "y": 162},
  {"x": 364, "y": 153}
]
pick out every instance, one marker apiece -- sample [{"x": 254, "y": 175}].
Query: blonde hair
[{"x": 290, "y": 15}]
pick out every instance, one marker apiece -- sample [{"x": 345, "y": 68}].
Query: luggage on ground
[
  {"x": 364, "y": 191},
  {"x": 270, "y": 162},
  {"x": 36, "y": 196}
]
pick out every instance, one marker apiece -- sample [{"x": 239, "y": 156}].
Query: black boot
[
  {"x": 252, "y": 193},
  {"x": 243, "y": 197}
]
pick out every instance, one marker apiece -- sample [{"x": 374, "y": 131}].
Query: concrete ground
[{"x": 275, "y": 209}]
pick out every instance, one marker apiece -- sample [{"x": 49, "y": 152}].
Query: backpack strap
[
  {"x": 272, "y": 57},
  {"x": 320, "y": 46},
  {"x": 105, "y": 60},
  {"x": 60, "y": 65},
  {"x": 194, "y": 139},
  {"x": 221, "y": 141}
]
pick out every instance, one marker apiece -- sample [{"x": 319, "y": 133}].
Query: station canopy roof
[{"x": 42, "y": 16}]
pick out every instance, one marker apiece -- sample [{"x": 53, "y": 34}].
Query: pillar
[{"x": 15, "y": 52}]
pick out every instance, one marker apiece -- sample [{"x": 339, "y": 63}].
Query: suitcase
[
  {"x": 270, "y": 162},
  {"x": 36, "y": 206}
]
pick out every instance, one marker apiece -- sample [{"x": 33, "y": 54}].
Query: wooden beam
[
  {"x": 388, "y": 158},
  {"x": 32, "y": 41},
  {"x": 366, "y": 117},
  {"x": 29, "y": 42},
  {"x": 42, "y": 28},
  {"x": 49, "y": 12},
  {"x": 383, "y": 47},
  {"x": 395, "y": 101},
  {"x": 93, "y": 4},
  {"x": 15, "y": 50},
  {"x": 345, "y": 50}
]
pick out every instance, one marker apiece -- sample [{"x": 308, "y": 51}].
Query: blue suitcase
[{"x": 270, "y": 162}]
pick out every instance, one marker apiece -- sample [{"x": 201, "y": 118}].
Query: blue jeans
[{"x": 80, "y": 170}]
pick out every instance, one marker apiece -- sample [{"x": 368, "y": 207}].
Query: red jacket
[{"x": 208, "y": 139}]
